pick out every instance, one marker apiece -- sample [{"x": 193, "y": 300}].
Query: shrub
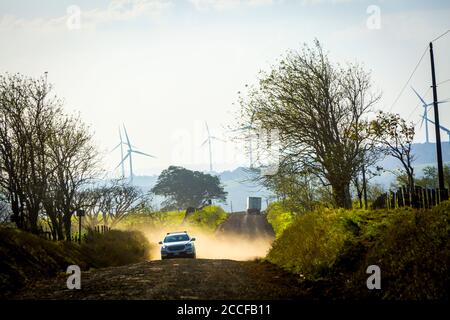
[
  {"x": 410, "y": 246},
  {"x": 25, "y": 257},
  {"x": 116, "y": 247},
  {"x": 311, "y": 243},
  {"x": 208, "y": 218},
  {"x": 279, "y": 217}
]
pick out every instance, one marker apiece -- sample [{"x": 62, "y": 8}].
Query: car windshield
[{"x": 177, "y": 237}]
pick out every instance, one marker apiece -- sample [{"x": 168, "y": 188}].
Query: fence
[
  {"x": 97, "y": 229},
  {"x": 418, "y": 198}
]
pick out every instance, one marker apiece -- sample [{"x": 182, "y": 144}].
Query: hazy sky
[{"x": 163, "y": 68}]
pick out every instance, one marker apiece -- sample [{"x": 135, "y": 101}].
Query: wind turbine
[
  {"x": 129, "y": 154},
  {"x": 248, "y": 128},
  {"x": 121, "y": 143},
  {"x": 425, "y": 113},
  {"x": 209, "y": 140},
  {"x": 447, "y": 131}
]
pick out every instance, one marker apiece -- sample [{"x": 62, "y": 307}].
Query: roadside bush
[
  {"x": 311, "y": 243},
  {"x": 152, "y": 219},
  {"x": 335, "y": 247},
  {"x": 279, "y": 217},
  {"x": 208, "y": 218},
  {"x": 25, "y": 257},
  {"x": 116, "y": 248}
]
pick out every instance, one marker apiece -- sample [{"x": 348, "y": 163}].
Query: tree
[
  {"x": 395, "y": 136},
  {"x": 46, "y": 156},
  {"x": 429, "y": 178},
  {"x": 27, "y": 113},
  {"x": 184, "y": 188},
  {"x": 319, "y": 111},
  {"x": 110, "y": 203}
]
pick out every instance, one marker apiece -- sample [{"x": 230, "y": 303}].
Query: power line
[
  {"x": 409, "y": 79},
  {"x": 437, "y": 38},
  {"x": 444, "y": 81}
]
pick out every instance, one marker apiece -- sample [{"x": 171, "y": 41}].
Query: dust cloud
[{"x": 216, "y": 246}]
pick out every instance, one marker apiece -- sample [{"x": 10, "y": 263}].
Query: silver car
[{"x": 177, "y": 245}]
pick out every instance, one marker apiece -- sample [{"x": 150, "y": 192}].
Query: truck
[{"x": 254, "y": 205}]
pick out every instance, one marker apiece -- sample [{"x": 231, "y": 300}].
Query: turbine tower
[
  {"x": 425, "y": 114},
  {"x": 209, "y": 140},
  {"x": 121, "y": 143},
  {"x": 248, "y": 128},
  {"x": 129, "y": 154}
]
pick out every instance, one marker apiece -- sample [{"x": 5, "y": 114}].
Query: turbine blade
[
  {"x": 207, "y": 129},
  {"x": 120, "y": 135},
  {"x": 116, "y": 147},
  {"x": 126, "y": 136},
  {"x": 424, "y": 104},
  {"x": 204, "y": 142},
  {"x": 123, "y": 160},
  {"x": 143, "y": 153},
  {"x": 423, "y": 118},
  {"x": 219, "y": 139}
]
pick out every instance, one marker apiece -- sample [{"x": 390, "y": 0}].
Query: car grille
[{"x": 176, "y": 248}]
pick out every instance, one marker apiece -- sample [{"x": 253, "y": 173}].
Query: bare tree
[
  {"x": 319, "y": 111},
  {"x": 111, "y": 203},
  {"x": 27, "y": 113},
  {"x": 73, "y": 159},
  {"x": 46, "y": 156}
]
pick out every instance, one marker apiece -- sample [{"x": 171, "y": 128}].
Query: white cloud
[
  {"x": 117, "y": 10},
  {"x": 229, "y": 4}
]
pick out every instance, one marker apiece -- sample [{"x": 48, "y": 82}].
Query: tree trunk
[
  {"x": 341, "y": 195},
  {"x": 67, "y": 219}
]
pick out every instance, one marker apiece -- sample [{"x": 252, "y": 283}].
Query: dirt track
[
  {"x": 249, "y": 225},
  {"x": 184, "y": 278}
]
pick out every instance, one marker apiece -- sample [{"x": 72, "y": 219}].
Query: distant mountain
[{"x": 424, "y": 155}]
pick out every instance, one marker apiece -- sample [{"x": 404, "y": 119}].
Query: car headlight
[{"x": 188, "y": 245}]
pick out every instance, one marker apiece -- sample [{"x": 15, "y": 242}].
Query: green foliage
[
  {"x": 208, "y": 218},
  {"x": 152, "y": 219},
  {"x": 410, "y": 246},
  {"x": 116, "y": 248},
  {"x": 184, "y": 188},
  {"x": 279, "y": 217},
  {"x": 311, "y": 243},
  {"x": 24, "y": 256}
]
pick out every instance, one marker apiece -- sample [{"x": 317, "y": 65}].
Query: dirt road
[
  {"x": 184, "y": 279},
  {"x": 188, "y": 278},
  {"x": 246, "y": 225}
]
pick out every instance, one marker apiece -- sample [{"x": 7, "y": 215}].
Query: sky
[{"x": 163, "y": 68}]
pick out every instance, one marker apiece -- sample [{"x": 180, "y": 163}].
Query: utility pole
[{"x": 437, "y": 128}]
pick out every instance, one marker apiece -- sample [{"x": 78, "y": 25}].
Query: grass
[{"x": 330, "y": 250}]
